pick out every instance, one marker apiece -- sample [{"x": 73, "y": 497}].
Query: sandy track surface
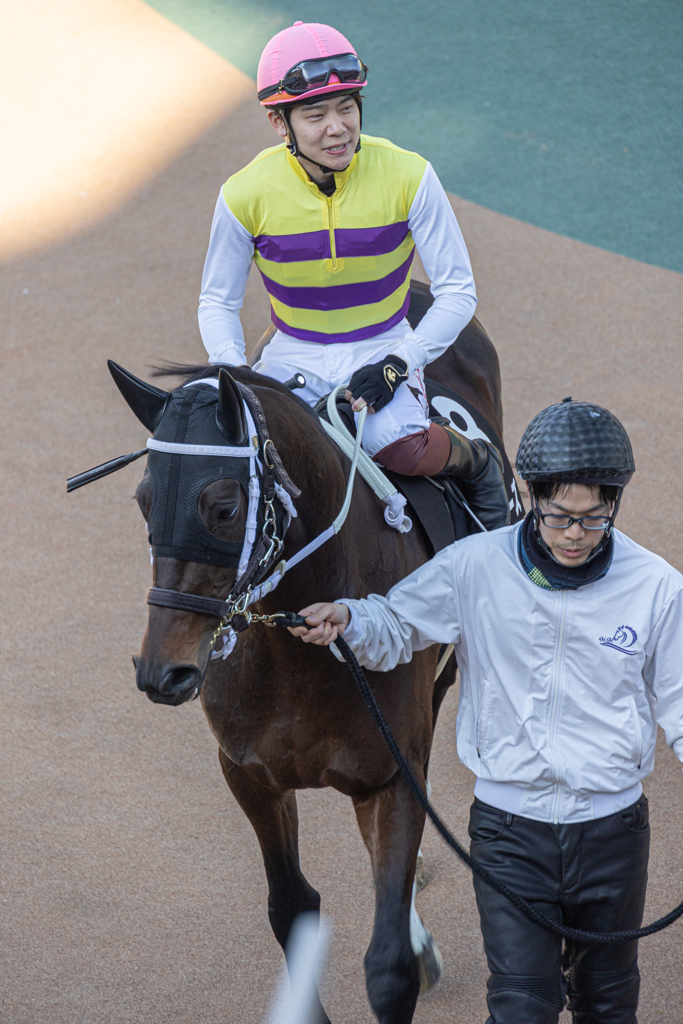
[{"x": 131, "y": 884}]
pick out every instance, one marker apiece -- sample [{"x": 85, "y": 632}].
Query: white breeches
[{"x": 327, "y": 366}]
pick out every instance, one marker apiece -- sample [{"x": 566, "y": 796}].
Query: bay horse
[{"x": 287, "y": 716}]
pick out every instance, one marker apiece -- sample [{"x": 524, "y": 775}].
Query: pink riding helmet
[{"x": 294, "y": 46}]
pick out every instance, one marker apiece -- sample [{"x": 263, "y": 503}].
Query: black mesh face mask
[
  {"x": 175, "y": 527},
  {"x": 207, "y": 432}
]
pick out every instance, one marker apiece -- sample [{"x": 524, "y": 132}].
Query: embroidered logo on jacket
[{"x": 623, "y": 640}]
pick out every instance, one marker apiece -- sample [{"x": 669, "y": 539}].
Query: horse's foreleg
[
  {"x": 391, "y": 823},
  {"x": 273, "y": 817},
  {"x": 444, "y": 681}
]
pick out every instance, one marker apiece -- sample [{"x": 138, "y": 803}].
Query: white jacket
[{"x": 561, "y": 691}]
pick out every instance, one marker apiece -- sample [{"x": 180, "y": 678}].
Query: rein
[
  {"x": 232, "y": 610},
  {"x": 590, "y": 938}
]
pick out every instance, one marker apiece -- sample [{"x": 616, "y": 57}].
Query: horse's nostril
[
  {"x": 166, "y": 684},
  {"x": 179, "y": 679}
]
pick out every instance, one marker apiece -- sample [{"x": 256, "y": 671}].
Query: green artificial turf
[{"x": 563, "y": 114}]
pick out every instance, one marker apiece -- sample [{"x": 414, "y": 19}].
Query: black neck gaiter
[
  {"x": 545, "y": 572},
  {"x": 328, "y": 187}
]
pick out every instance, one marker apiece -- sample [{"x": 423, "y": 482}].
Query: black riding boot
[{"x": 477, "y": 469}]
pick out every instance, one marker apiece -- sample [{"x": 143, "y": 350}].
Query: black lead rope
[{"x": 590, "y": 938}]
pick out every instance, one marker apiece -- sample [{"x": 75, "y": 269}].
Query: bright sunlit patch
[{"x": 99, "y": 97}]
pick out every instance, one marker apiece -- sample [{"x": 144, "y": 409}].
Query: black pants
[{"x": 590, "y": 875}]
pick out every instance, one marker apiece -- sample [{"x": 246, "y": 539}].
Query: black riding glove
[{"x": 378, "y": 382}]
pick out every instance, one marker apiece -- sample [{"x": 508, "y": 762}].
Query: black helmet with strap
[
  {"x": 571, "y": 443},
  {"x": 575, "y": 442}
]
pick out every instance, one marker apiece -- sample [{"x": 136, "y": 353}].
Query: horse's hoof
[
  {"x": 430, "y": 963},
  {"x": 420, "y": 873}
]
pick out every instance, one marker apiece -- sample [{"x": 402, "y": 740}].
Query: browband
[{"x": 177, "y": 448}]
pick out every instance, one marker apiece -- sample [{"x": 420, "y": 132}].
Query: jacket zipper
[
  {"x": 639, "y": 732},
  {"x": 482, "y": 706},
  {"x": 559, "y": 659}
]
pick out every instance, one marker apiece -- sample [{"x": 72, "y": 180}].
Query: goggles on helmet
[{"x": 313, "y": 74}]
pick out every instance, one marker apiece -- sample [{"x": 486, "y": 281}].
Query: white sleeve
[
  {"x": 224, "y": 281},
  {"x": 444, "y": 256},
  {"x": 419, "y": 611},
  {"x": 663, "y": 672}
]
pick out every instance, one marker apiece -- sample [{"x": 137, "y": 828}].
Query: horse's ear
[
  {"x": 147, "y": 402},
  {"x": 230, "y": 412}
]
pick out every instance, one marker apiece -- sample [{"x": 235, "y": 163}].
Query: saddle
[{"x": 437, "y": 503}]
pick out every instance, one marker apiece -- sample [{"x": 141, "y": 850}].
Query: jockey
[{"x": 332, "y": 219}]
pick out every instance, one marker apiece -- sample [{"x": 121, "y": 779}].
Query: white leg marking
[
  {"x": 419, "y": 936},
  {"x": 306, "y": 950}
]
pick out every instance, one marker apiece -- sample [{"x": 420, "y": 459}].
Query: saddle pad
[{"x": 468, "y": 421}]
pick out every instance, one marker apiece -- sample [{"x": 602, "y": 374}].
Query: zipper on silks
[
  {"x": 330, "y": 227},
  {"x": 559, "y": 659}
]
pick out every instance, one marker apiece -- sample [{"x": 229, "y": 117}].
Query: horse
[{"x": 286, "y": 716}]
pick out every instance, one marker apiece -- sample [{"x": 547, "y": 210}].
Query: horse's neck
[
  {"x": 316, "y": 467},
  {"x": 366, "y": 555}
]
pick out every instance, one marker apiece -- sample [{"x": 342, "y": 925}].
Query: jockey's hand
[
  {"x": 375, "y": 385},
  {"x": 325, "y": 621}
]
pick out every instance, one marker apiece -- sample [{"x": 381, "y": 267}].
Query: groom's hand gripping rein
[{"x": 325, "y": 622}]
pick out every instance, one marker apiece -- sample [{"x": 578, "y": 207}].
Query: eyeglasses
[
  {"x": 556, "y": 522},
  {"x": 311, "y": 74}
]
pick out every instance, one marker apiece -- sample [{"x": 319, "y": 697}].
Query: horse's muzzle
[{"x": 167, "y": 684}]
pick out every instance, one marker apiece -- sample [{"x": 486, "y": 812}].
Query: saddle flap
[{"x": 430, "y": 506}]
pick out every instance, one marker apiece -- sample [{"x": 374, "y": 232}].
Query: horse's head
[{"x": 195, "y": 497}]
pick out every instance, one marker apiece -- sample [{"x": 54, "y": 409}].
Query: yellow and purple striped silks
[{"x": 336, "y": 268}]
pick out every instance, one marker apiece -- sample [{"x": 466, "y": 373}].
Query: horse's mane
[{"x": 190, "y": 372}]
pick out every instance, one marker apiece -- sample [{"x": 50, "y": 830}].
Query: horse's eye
[{"x": 219, "y": 506}]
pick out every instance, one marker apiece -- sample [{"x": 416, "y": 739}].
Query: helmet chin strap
[{"x": 293, "y": 146}]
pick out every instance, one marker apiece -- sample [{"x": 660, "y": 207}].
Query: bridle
[
  {"x": 270, "y": 501},
  {"x": 269, "y": 481},
  {"x": 252, "y": 582}
]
